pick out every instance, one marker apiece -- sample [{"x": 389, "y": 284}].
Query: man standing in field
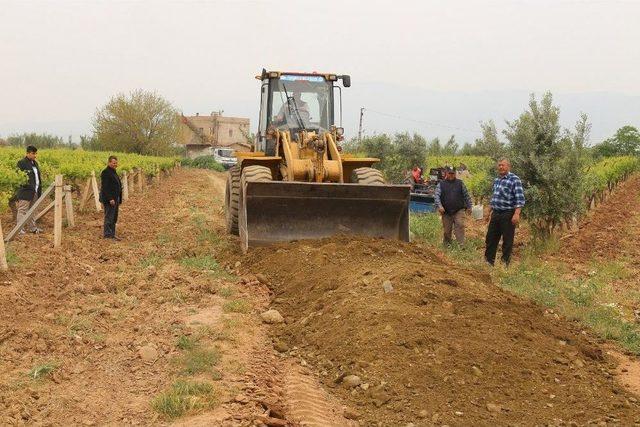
[
  {"x": 452, "y": 199},
  {"x": 111, "y": 197},
  {"x": 505, "y": 206},
  {"x": 28, "y": 193}
]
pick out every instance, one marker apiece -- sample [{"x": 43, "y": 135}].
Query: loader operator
[{"x": 288, "y": 115}]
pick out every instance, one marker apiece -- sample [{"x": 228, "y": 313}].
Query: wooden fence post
[
  {"x": 143, "y": 177},
  {"x": 68, "y": 203},
  {"x": 125, "y": 186},
  {"x": 57, "y": 213},
  {"x": 3, "y": 254},
  {"x": 84, "y": 196},
  {"x": 140, "y": 177},
  {"x": 131, "y": 185},
  {"x": 96, "y": 192},
  {"x": 31, "y": 212}
]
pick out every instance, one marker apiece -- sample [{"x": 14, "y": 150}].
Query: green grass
[
  {"x": 151, "y": 259},
  {"x": 226, "y": 292},
  {"x": 534, "y": 282},
  {"x": 427, "y": 227},
  {"x": 199, "y": 360},
  {"x": 184, "y": 397},
  {"x": 163, "y": 238},
  {"x": 589, "y": 300},
  {"x": 13, "y": 259},
  {"x": 41, "y": 371},
  {"x": 203, "y": 262},
  {"x": 186, "y": 343},
  {"x": 236, "y": 306}
]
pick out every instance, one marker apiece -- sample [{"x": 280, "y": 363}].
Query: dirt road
[{"x": 109, "y": 328}]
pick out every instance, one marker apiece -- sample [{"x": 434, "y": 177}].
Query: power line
[{"x": 424, "y": 122}]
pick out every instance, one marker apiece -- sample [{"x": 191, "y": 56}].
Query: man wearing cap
[
  {"x": 505, "y": 206},
  {"x": 452, "y": 199}
]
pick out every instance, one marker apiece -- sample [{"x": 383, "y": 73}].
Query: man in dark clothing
[
  {"x": 506, "y": 203},
  {"x": 28, "y": 193},
  {"x": 452, "y": 199},
  {"x": 111, "y": 197}
]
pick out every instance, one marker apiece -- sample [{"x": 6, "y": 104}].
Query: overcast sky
[{"x": 59, "y": 60}]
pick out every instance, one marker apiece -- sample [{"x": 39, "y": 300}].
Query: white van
[{"x": 225, "y": 157}]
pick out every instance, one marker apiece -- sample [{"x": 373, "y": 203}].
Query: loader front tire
[
  {"x": 369, "y": 176},
  {"x": 232, "y": 199},
  {"x": 253, "y": 173}
]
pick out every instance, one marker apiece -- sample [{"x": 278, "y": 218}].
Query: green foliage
[
  {"x": 426, "y": 227},
  {"x": 73, "y": 164},
  {"x": 489, "y": 144},
  {"x": 143, "y": 123},
  {"x": 236, "y": 306},
  {"x": 184, "y": 397},
  {"x": 587, "y": 299},
  {"x": 397, "y": 154},
  {"x": 606, "y": 174},
  {"x": 481, "y": 172},
  {"x": 204, "y": 262},
  {"x": 626, "y": 142},
  {"x": 198, "y": 360},
  {"x": 38, "y": 140},
  {"x": 41, "y": 371},
  {"x": 186, "y": 343},
  {"x": 203, "y": 162},
  {"x": 550, "y": 163}
]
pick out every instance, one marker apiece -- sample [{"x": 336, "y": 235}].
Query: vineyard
[
  {"x": 600, "y": 178},
  {"x": 74, "y": 165},
  {"x": 171, "y": 322}
]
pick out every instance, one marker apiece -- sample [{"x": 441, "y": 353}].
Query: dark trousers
[
  {"x": 110, "y": 219},
  {"x": 500, "y": 226}
]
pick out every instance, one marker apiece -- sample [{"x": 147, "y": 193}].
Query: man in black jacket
[
  {"x": 111, "y": 197},
  {"x": 452, "y": 199},
  {"x": 28, "y": 193}
]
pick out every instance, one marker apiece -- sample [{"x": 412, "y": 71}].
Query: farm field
[
  {"x": 165, "y": 327},
  {"x": 74, "y": 165}
]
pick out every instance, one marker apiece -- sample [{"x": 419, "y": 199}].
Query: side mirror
[{"x": 346, "y": 80}]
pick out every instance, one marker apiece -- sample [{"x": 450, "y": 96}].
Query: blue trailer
[{"x": 422, "y": 198}]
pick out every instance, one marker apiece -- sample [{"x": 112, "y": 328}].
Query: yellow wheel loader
[{"x": 295, "y": 183}]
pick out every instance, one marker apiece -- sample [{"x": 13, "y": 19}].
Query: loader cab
[{"x": 297, "y": 101}]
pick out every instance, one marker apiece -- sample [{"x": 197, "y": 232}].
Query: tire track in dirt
[
  {"x": 308, "y": 404},
  {"x": 90, "y": 306}
]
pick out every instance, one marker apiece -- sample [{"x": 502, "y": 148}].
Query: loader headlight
[{"x": 339, "y": 131}]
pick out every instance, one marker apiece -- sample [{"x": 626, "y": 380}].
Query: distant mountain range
[
  {"x": 394, "y": 108},
  {"x": 441, "y": 114}
]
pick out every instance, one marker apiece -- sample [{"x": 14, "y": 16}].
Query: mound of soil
[
  {"x": 610, "y": 230},
  {"x": 433, "y": 343}
]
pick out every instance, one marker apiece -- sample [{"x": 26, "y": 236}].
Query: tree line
[{"x": 549, "y": 159}]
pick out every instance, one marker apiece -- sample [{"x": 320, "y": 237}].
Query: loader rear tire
[
  {"x": 369, "y": 176},
  {"x": 232, "y": 199},
  {"x": 253, "y": 173}
]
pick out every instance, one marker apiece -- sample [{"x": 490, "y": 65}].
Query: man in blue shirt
[{"x": 505, "y": 206}]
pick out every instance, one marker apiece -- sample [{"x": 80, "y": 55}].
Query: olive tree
[
  {"x": 142, "y": 122},
  {"x": 550, "y": 161}
]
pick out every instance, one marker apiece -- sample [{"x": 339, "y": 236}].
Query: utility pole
[{"x": 360, "y": 126}]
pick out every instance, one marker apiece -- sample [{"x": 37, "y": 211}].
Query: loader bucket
[{"x": 284, "y": 211}]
